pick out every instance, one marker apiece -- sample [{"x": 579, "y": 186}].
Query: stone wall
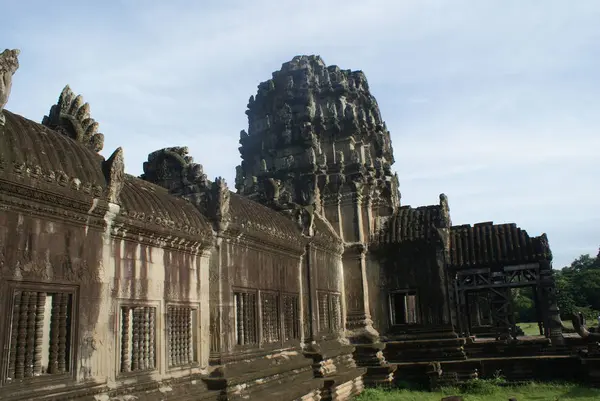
[{"x": 84, "y": 307}]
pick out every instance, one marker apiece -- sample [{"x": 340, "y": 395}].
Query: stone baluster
[
  {"x": 173, "y": 336},
  {"x": 170, "y": 335},
  {"x": 151, "y": 329},
  {"x": 190, "y": 336},
  {"x": 146, "y": 332},
  {"x": 125, "y": 365},
  {"x": 183, "y": 336},
  {"x": 176, "y": 337},
  {"x": 14, "y": 337},
  {"x": 135, "y": 340},
  {"x": 39, "y": 333},
  {"x": 30, "y": 341},
  {"x": 22, "y": 339},
  {"x": 62, "y": 332},
  {"x": 182, "y": 349},
  {"x": 241, "y": 318},
  {"x": 54, "y": 335}
]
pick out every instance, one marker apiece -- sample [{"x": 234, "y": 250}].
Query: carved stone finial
[
  {"x": 71, "y": 116},
  {"x": 305, "y": 217},
  {"x": 114, "y": 172},
  {"x": 445, "y": 209},
  {"x": 173, "y": 169},
  {"x": 9, "y": 63},
  {"x": 239, "y": 179},
  {"x": 218, "y": 207}
]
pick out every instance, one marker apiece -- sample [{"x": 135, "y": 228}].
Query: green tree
[
  {"x": 578, "y": 287},
  {"x": 578, "y": 290}
]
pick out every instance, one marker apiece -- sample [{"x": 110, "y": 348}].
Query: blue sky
[{"x": 493, "y": 102}]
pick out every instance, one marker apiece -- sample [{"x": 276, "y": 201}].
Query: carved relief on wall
[
  {"x": 136, "y": 288},
  {"x": 39, "y": 266}
]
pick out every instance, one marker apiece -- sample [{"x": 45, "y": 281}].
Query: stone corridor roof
[
  {"x": 488, "y": 244},
  {"x": 52, "y": 161},
  {"x": 411, "y": 224},
  {"x": 30, "y": 149},
  {"x": 153, "y": 205},
  {"x": 262, "y": 222}
]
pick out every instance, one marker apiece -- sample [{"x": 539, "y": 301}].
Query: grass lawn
[
  {"x": 532, "y": 329},
  {"x": 486, "y": 391}
]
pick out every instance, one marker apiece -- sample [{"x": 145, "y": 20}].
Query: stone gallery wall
[{"x": 169, "y": 285}]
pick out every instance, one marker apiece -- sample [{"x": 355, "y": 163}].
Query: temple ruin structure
[{"x": 308, "y": 281}]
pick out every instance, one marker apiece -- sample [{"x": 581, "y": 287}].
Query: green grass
[
  {"x": 483, "y": 390},
  {"x": 531, "y": 329}
]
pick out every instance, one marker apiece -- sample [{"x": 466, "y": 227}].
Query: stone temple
[{"x": 308, "y": 281}]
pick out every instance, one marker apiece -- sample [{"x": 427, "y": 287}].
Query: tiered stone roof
[{"x": 492, "y": 244}]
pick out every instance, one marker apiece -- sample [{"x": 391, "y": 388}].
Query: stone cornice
[
  {"x": 257, "y": 242},
  {"x": 157, "y": 236},
  {"x": 37, "y": 199},
  {"x": 53, "y": 181},
  {"x": 52, "y": 204}
]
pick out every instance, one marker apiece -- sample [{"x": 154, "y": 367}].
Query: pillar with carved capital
[{"x": 359, "y": 325}]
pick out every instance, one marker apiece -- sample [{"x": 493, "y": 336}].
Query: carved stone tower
[
  {"x": 316, "y": 142},
  {"x": 315, "y": 138}
]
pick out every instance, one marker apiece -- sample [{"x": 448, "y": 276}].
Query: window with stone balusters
[
  {"x": 138, "y": 338},
  {"x": 269, "y": 304},
  {"x": 291, "y": 317},
  {"x": 330, "y": 311},
  {"x": 245, "y": 317},
  {"x": 182, "y": 322},
  {"x": 40, "y": 334}
]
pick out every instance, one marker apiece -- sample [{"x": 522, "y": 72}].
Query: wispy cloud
[{"x": 494, "y": 103}]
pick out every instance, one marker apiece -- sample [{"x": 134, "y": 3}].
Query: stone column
[
  {"x": 477, "y": 311},
  {"x": 549, "y": 303},
  {"x": 358, "y": 316},
  {"x": 360, "y": 331}
]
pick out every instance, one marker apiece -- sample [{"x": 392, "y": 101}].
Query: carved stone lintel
[
  {"x": 218, "y": 204},
  {"x": 9, "y": 63}
]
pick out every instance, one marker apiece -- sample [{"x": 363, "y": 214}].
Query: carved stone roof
[
  {"x": 411, "y": 224},
  {"x": 488, "y": 244},
  {"x": 154, "y": 206},
  {"x": 264, "y": 223},
  {"x": 31, "y": 149}
]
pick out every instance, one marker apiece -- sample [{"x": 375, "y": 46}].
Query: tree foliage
[{"x": 578, "y": 290}]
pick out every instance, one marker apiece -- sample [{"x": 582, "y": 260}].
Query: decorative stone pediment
[
  {"x": 71, "y": 116},
  {"x": 174, "y": 169}
]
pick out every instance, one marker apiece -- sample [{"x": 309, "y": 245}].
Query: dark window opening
[{"x": 403, "y": 308}]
